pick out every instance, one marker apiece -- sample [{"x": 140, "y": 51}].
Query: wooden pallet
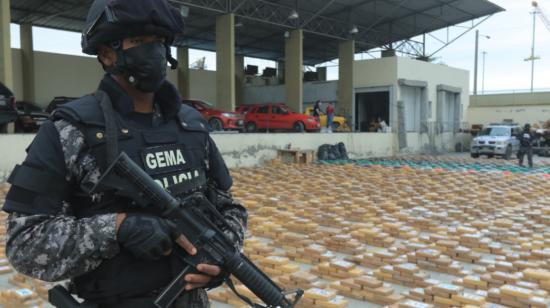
[{"x": 296, "y": 156}]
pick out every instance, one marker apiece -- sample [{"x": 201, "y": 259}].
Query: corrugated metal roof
[{"x": 261, "y": 24}]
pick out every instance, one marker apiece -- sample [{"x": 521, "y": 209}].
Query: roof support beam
[
  {"x": 356, "y": 6},
  {"x": 38, "y": 8},
  {"x": 413, "y": 13},
  {"x": 327, "y": 5},
  {"x": 461, "y": 35},
  {"x": 45, "y": 18},
  {"x": 192, "y": 42},
  {"x": 376, "y": 23},
  {"x": 451, "y": 4},
  {"x": 422, "y": 13},
  {"x": 277, "y": 15},
  {"x": 324, "y": 19},
  {"x": 72, "y": 19}
]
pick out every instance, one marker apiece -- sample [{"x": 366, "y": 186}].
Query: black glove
[{"x": 147, "y": 236}]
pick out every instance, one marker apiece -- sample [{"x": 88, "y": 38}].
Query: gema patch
[
  {"x": 164, "y": 159},
  {"x": 169, "y": 165}
]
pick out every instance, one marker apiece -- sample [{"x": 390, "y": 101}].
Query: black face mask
[{"x": 145, "y": 66}]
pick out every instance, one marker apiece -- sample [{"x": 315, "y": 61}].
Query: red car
[
  {"x": 243, "y": 109},
  {"x": 218, "y": 119},
  {"x": 278, "y": 117}
]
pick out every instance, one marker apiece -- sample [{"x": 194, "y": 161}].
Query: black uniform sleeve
[
  {"x": 43, "y": 167},
  {"x": 218, "y": 171}
]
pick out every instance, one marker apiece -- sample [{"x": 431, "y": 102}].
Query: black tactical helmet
[
  {"x": 112, "y": 20},
  {"x": 527, "y": 127}
]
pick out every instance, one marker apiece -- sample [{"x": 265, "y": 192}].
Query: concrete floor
[
  {"x": 353, "y": 303},
  {"x": 398, "y": 288}
]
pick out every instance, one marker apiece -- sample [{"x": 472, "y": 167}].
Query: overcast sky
[
  {"x": 509, "y": 45},
  {"x": 505, "y": 68}
]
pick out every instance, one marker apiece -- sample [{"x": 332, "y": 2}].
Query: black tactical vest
[{"x": 173, "y": 153}]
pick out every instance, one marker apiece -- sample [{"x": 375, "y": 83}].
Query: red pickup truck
[{"x": 278, "y": 117}]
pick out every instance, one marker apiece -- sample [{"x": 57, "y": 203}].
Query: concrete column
[
  {"x": 346, "y": 52},
  {"x": 322, "y": 73},
  {"x": 184, "y": 82},
  {"x": 6, "y": 66},
  {"x": 239, "y": 79},
  {"x": 27, "y": 59},
  {"x": 293, "y": 70},
  {"x": 281, "y": 71},
  {"x": 225, "y": 61}
]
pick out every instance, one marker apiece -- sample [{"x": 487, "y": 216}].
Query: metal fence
[{"x": 511, "y": 91}]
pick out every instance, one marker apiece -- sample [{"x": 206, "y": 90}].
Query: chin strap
[{"x": 173, "y": 62}]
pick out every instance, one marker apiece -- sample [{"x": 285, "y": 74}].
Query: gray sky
[
  {"x": 505, "y": 68},
  {"x": 509, "y": 45}
]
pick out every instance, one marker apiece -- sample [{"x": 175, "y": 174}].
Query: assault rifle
[{"x": 202, "y": 224}]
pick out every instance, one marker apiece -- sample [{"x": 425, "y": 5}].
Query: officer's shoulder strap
[
  {"x": 190, "y": 119},
  {"x": 85, "y": 110}
]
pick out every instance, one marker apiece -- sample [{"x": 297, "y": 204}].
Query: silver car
[{"x": 496, "y": 139}]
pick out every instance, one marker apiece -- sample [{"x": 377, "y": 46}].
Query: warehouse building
[{"x": 424, "y": 104}]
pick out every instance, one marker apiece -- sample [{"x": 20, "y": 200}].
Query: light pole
[
  {"x": 533, "y": 50},
  {"x": 475, "y": 61},
  {"x": 533, "y": 58},
  {"x": 483, "y": 74}
]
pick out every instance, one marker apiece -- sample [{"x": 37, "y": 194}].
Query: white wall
[
  {"x": 435, "y": 74},
  {"x": 244, "y": 150},
  {"x": 443, "y": 143},
  {"x": 384, "y": 74},
  {"x": 519, "y": 114},
  {"x": 203, "y": 85},
  {"x": 66, "y": 75},
  {"x": 253, "y": 149},
  {"x": 13, "y": 152},
  {"x": 264, "y": 94},
  {"x": 63, "y": 75},
  {"x": 316, "y": 90},
  {"x": 519, "y": 107},
  {"x": 240, "y": 150},
  {"x": 375, "y": 72}
]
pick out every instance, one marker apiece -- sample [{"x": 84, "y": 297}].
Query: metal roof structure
[{"x": 260, "y": 25}]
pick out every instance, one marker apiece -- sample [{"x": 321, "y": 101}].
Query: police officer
[
  {"x": 115, "y": 254},
  {"x": 526, "y": 139}
]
